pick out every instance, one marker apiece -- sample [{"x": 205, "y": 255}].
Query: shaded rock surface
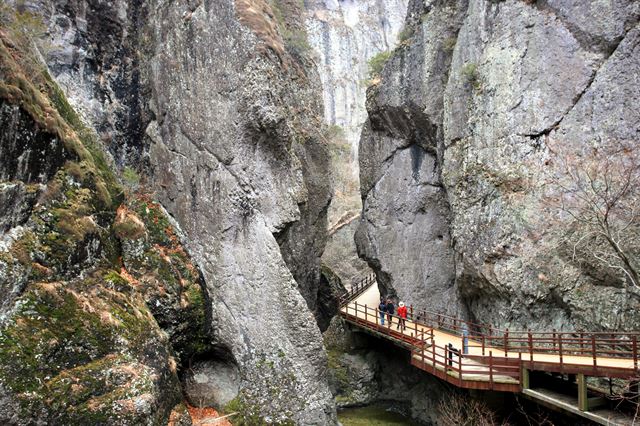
[
  {"x": 494, "y": 88},
  {"x": 94, "y": 51},
  {"x": 212, "y": 384},
  {"x": 366, "y": 370}
]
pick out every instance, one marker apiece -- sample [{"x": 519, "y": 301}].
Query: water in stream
[{"x": 372, "y": 415}]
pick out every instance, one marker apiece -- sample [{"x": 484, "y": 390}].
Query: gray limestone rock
[
  {"x": 495, "y": 89},
  {"x": 345, "y": 35},
  {"x": 404, "y": 231},
  {"x": 237, "y": 162}
]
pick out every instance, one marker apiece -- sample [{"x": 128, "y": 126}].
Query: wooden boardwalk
[{"x": 499, "y": 360}]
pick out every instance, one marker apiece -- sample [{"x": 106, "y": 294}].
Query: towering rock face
[
  {"x": 237, "y": 160},
  {"x": 404, "y": 233},
  {"x": 94, "y": 310},
  {"x": 345, "y": 35},
  {"x": 477, "y": 127},
  {"x": 225, "y": 113}
]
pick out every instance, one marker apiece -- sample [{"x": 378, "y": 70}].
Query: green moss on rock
[{"x": 81, "y": 345}]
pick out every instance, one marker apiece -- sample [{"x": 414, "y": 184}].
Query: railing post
[
  {"x": 593, "y": 350},
  {"x": 377, "y": 317},
  {"x": 411, "y": 312},
  {"x": 554, "y": 339},
  {"x": 581, "y": 343},
  {"x": 506, "y": 341},
  {"x": 560, "y": 348},
  {"x": 460, "y": 369},
  {"x": 530, "y": 337},
  {"x": 491, "y": 369},
  {"x": 483, "y": 345},
  {"x": 433, "y": 359},
  {"x": 366, "y": 313},
  {"x": 446, "y": 359}
]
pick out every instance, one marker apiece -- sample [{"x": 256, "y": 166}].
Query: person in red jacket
[{"x": 402, "y": 313}]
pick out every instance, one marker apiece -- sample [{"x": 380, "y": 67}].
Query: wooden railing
[
  {"x": 418, "y": 336},
  {"x": 448, "y": 364},
  {"x": 357, "y": 289},
  {"x": 493, "y": 372},
  {"x": 488, "y": 340},
  {"x": 528, "y": 343}
]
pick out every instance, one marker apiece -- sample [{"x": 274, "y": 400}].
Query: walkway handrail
[
  {"x": 524, "y": 343},
  {"x": 357, "y": 289},
  {"x": 365, "y": 315}
]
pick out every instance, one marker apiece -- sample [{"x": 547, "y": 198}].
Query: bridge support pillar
[
  {"x": 526, "y": 380},
  {"x": 583, "y": 401}
]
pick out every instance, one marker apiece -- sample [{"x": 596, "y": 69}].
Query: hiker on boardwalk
[
  {"x": 402, "y": 313},
  {"x": 390, "y": 311},
  {"x": 382, "y": 308}
]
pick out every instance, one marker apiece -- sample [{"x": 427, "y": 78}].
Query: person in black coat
[{"x": 390, "y": 311}]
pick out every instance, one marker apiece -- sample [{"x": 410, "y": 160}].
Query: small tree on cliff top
[{"x": 597, "y": 194}]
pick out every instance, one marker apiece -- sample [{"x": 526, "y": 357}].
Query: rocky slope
[
  {"x": 481, "y": 137},
  {"x": 214, "y": 104}
]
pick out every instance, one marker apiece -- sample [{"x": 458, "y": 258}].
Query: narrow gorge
[{"x": 202, "y": 201}]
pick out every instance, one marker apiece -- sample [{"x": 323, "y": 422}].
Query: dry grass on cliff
[
  {"x": 260, "y": 17},
  {"x": 24, "y": 81}
]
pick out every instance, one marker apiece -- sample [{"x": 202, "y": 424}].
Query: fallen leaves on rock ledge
[{"x": 206, "y": 417}]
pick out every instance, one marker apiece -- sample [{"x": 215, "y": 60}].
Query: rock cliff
[
  {"x": 480, "y": 142},
  {"x": 238, "y": 161},
  {"x": 210, "y": 112},
  {"x": 99, "y": 293},
  {"x": 345, "y": 35}
]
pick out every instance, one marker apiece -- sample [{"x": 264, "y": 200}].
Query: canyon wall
[
  {"x": 345, "y": 35},
  {"x": 477, "y": 154},
  {"x": 210, "y": 115}
]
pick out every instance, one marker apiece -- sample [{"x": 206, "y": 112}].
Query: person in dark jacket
[
  {"x": 390, "y": 311},
  {"x": 382, "y": 308}
]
